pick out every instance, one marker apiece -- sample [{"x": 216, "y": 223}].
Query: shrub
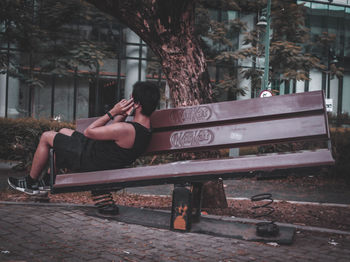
[
  {"x": 338, "y": 120},
  {"x": 340, "y": 138},
  {"x": 20, "y": 137},
  {"x": 341, "y": 151}
]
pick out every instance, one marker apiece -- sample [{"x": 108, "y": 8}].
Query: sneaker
[{"x": 21, "y": 184}]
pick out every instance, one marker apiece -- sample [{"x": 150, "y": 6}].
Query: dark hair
[{"x": 147, "y": 94}]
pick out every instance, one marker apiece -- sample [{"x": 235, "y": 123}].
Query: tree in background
[
  {"x": 325, "y": 46},
  {"x": 290, "y": 41},
  {"x": 168, "y": 29},
  {"x": 185, "y": 39},
  {"x": 290, "y": 46},
  {"x": 39, "y": 36},
  {"x": 217, "y": 37}
]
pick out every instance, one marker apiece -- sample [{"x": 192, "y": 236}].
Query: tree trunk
[
  {"x": 184, "y": 65},
  {"x": 167, "y": 26}
]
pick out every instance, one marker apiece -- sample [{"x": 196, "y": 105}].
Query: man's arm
[
  {"x": 98, "y": 129},
  {"x": 122, "y": 118},
  {"x": 119, "y": 118}
]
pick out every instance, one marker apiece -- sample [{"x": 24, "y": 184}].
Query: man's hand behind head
[{"x": 123, "y": 107}]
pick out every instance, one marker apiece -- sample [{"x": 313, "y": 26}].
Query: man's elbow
[{"x": 87, "y": 133}]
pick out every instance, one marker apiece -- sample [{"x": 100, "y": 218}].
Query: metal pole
[
  {"x": 140, "y": 60},
  {"x": 97, "y": 90},
  {"x": 329, "y": 83},
  {"x": 53, "y": 87},
  {"x": 340, "y": 99},
  {"x": 30, "y": 98},
  {"x": 75, "y": 94},
  {"x": 119, "y": 83},
  {"x": 267, "y": 47},
  {"x": 7, "y": 79}
]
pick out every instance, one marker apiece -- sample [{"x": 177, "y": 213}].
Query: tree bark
[{"x": 167, "y": 26}]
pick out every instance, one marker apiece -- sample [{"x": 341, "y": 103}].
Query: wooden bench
[{"x": 261, "y": 121}]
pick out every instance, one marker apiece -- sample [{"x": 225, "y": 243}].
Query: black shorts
[{"x": 68, "y": 150}]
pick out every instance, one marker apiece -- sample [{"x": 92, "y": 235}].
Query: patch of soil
[
  {"x": 334, "y": 217},
  {"x": 286, "y": 212}
]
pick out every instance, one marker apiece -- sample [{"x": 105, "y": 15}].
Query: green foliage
[
  {"x": 220, "y": 4},
  {"x": 340, "y": 139},
  {"x": 289, "y": 22},
  {"x": 3, "y": 61},
  {"x": 290, "y": 45},
  {"x": 48, "y": 39},
  {"x": 341, "y": 151},
  {"x": 20, "y": 137},
  {"x": 324, "y": 45},
  {"x": 228, "y": 86},
  {"x": 218, "y": 45},
  {"x": 251, "y": 5},
  {"x": 336, "y": 119},
  {"x": 289, "y": 61}
]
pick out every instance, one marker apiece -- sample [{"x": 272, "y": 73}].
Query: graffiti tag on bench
[
  {"x": 191, "y": 138},
  {"x": 194, "y": 114}
]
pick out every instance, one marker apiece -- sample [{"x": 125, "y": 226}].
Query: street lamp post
[{"x": 267, "y": 47}]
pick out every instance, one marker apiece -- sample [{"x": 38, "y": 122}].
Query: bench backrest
[{"x": 274, "y": 119}]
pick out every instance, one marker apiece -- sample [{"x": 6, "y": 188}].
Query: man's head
[{"x": 147, "y": 95}]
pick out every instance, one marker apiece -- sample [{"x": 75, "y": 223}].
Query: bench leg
[
  {"x": 52, "y": 168},
  {"x": 197, "y": 191},
  {"x": 181, "y": 210}
]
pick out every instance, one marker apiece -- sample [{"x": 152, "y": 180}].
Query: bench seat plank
[
  {"x": 239, "y": 110},
  {"x": 241, "y": 134},
  {"x": 190, "y": 170}
]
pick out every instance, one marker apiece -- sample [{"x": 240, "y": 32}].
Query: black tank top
[{"x": 106, "y": 154}]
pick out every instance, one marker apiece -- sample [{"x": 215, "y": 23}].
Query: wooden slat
[
  {"x": 170, "y": 172},
  {"x": 241, "y": 134},
  {"x": 237, "y": 110},
  {"x": 231, "y": 111}
]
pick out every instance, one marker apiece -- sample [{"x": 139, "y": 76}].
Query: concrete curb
[
  {"x": 233, "y": 219},
  {"x": 8, "y": 164},
  {"x": 297, "y": 202},
  {"x": 297, "y": 227}
]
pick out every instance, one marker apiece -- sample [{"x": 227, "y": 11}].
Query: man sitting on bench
[{"x": 102, "y": 146}]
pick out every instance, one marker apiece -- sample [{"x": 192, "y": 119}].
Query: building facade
[{"x": 86, "y": 92}]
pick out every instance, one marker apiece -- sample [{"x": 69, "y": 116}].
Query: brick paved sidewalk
[{"x": 64, "y": 233}]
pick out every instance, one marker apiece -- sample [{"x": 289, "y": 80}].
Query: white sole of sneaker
[
  {"x": 45, "y": 188},
  {"x": 26, "y": 190}
]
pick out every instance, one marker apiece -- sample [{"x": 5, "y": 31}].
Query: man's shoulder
[{"x": 123, "y": 125}]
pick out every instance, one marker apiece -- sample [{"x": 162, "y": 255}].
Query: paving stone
[{"x": 67, "y": 234}]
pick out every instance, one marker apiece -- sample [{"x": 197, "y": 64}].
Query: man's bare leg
[
  {"x": 41, "y": 155},
  {"x": 30, "y": 184}
]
